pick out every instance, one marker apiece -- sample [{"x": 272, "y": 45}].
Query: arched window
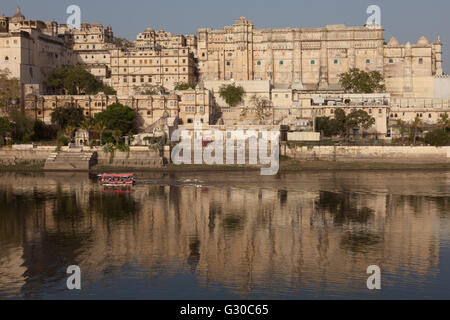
[{"x": 6, "y": 58}]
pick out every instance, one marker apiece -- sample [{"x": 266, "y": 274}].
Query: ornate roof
[
  {"x": 18, "y": 16},
  {"x": 423, "y": 41}
]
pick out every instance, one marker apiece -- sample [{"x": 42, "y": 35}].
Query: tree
[
  {"x": 444, "y": 122},
  {"x": 437, "y": 138},
  {"x": 328, "y": 126},
  {"x": 22, "y": 126},
  {"x": 100, "y": 126},
  {"x": 9, "y": 88},
  {"x": 69, "y": 131},
  {"x": 403, "y": 127},
  {"x": 359, "y": 81},
  {"x": 75, "y": 80},
  {"x": 5, "y": 127},
  {"x": 87, "y": 125},
  {"x": 117, "y": 117},
  {"x": 260, "y": 105},
  {"x": 42, "y": 131},
  {"x": 231, "y": 93},
  {"x": 415, "y": 126},
  {"x": 184, "y": 86},
  {"x": 355, "y": 119},
  {"x": 69, "y": 115}
]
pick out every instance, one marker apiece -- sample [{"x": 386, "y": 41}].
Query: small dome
[
  {"x": 393, "y": 42},
  {"x": 423, "y": 41}
]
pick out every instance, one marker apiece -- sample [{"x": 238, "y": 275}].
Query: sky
[{"x": 407, "y": 20}]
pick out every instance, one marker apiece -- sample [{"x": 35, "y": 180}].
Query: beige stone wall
[{"x": 370, "y": 154}]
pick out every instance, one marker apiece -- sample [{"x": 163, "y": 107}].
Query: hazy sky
[{"x": 407, "y": 20}]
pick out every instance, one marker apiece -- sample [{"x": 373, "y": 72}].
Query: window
[
  {"x": 380, "y": 111},
  {"x": 391, "y": 61},
  {"x": 420, "y": 60},
  {"x": 228, "y": 63},
  {"x": 336, "y": 61},
  {"x": 134, "y": 79},
  {"x": 6, "y": 58},
  {"x": 313, "y": 62},
  {"x": 258, "y": 63},
  {"x": 370, "y": 111},
  {"x": 281, "y": 62},
  {"x": 367, "y": 61}
]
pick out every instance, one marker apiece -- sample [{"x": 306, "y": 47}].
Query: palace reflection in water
[{"x": 299, "y": 235}]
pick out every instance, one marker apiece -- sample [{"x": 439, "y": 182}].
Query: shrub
[{"x": 437, "y": 137}]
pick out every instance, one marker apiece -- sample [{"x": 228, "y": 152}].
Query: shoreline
[{"x": 286, "y": 166}]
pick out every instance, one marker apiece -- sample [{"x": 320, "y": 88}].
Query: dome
[
  {"x": 18, "y": 16},
  {"x": 423, "y": 41},
  {"x": 393, "y": 42}
]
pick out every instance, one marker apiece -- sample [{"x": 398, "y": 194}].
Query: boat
[{"x": 117, "y": 180}]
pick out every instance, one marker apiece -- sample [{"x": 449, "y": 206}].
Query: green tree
[
  {"x": 22, "y": 126},
  {"x": 76, "y": 80},
  {"x": 184, "y": 86},
  {"x": 69, "y": 131},
  {"x": 355, "y": 119},
  {"x": 437, "y": 138},
  {"x": 415, "y": 126},
  {"x": 5, "y": 127},
  {"x": 43, "y": 131},
  {"x": 117, "y": 117},
  {"x": 232, "y": 94},
  {"x": 9, "y": 88},
  {"x": 327, "y": 126},
  {"x": 359, "y": 81},
  {"x": 100, "y": 127},
  {"x": 69, "y": 115},
  {"x": 444, "y": 122},
  {"x": 402, "y": 127},
  {"x": 88, "y": 125}
]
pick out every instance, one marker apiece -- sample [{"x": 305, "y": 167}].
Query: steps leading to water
[{"x": 77, "y": 160}]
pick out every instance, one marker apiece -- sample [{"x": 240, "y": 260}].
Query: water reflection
[{"x": 295, "y": 235}]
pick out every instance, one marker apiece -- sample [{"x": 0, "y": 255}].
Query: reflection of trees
[
  {"x": 113, "y": 207},
  {"x": 13, "y": 213},
  {"x": 232, "y": 222},
  {"x": 194, "y": 253},
  {"x": 54, "y": 245},
  {"x": 343, "y": 207},
  {"x": 359, "y": 241}
]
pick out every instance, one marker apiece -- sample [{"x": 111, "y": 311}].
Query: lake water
[{"x": 227, "y": 235}]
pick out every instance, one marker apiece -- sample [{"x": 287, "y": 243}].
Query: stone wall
[
  {"x": 369, "y": 154},
  {"x": 10, "y": 156},
  {"x": 137, "y": 157}
]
